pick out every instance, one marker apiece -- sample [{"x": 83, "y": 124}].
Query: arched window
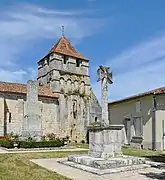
[
  {"x": 95, "y": 119},
  {"x": 62, "y": 84},
  {"x": 9, "y": 117},
  {"x": 82, "y": 87},
  {"x": 69, "y": 85},
  {"x": 76, "y": 86}
]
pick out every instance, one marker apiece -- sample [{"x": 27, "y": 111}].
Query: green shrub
[
  {"x": 41, "y": 144},
  {"x": 32, "y": 144},
  {"x": 6, "y": 143}
]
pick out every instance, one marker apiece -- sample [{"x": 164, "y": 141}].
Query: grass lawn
[
  {"x": 79, "y": 145},
  {"x": 157, "y": 156},
  {"x": 18, "y": 166}
]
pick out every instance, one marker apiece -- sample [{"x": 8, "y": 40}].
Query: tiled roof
[
  {"x": 152, "y": 92},
  {"x": 22, "y": 89},
  {"x": 63, "y": 46}
]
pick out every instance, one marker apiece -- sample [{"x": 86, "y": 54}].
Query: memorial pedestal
[
  {"x": 105, "y": 142},
  {"x": 105, "y": 155}
]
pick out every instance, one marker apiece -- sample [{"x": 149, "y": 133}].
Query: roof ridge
[
  {"x": 7, "y": 82},
  {"x": 13, "y": 87},
  {"x": 154, "y": 91}
]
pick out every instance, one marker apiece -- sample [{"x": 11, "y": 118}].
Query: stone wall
[
  {"x": 12, "y": 112},
  {"x": 160, "y": 116},
  {"x": 56, "y": 62},
  {"x": 1, "y": 115},
  {"x": 120, "y": 113},
  {"x": 95, "y": 108},
  {"x": 50, "y": 119},
  {"x": 74, "y": 116}
]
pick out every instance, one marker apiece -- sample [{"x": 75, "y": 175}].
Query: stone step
[
  {"x": 101, "y": 163},
  {"x": 103, "y": 171}
]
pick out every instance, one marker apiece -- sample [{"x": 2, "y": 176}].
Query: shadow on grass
[
  {"x": 160, "y": 158},
  {"x": 152, "y": 175},
  {"x": 156, "y": 158}
]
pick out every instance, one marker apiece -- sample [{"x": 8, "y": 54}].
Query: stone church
[{"x": 61, "y": 101}]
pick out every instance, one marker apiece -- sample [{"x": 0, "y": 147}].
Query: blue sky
[{"x": 128, "y": 36}]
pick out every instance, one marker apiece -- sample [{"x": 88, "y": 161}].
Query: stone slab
[
  {"x": 103, "y": 171},
  {"x": 101, "y": 163},
  {"x": 101, "y": 166}
]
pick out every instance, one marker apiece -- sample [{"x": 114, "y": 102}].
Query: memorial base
[
  {"x": 105, "y": 153},
  {"x": 101, "y": 166}
]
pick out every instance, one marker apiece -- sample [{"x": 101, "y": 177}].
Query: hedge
[
  {"x": 41, "y": 144},
  {"x": 6, "y": 143},
  {"x": 32, "y": 144}
]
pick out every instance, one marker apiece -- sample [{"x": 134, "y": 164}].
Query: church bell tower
[{"x": 65, "y": 71}]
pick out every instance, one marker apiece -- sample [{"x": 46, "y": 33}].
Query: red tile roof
[
  {"x": 152, "y": 92},
  {"x": 22, "y": 89},
  {"x": 63, "y": 46}
]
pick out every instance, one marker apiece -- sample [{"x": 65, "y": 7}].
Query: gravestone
[
  {"x": 105, "y": 151},
  {"x": 32, "y": 126}
]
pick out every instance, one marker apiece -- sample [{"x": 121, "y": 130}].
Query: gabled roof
[
  {"x": 63, "y": 46},
  {"x": 18, "y": 88},
  {"x": 152, "y": 92}
]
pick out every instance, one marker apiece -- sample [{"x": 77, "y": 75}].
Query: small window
[
  {"x": 65, "y": 59},
  {"x": 10, "y": 117},
  {"x": 78, "y": 62}
]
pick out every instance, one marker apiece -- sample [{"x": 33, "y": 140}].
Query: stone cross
[{"x": 106, "y": 78}]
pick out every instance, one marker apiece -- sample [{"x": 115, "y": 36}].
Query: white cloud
[
  {"x": 35, "y": 9},
  {"x": 24, "y": 24},
  {"x": 138, "y": 69},
  {"x": 139, "y": 55},
  {"x": 16, "y": 76}
]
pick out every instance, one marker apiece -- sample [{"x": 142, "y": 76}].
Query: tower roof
[{"x": 63, "y": 46}]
